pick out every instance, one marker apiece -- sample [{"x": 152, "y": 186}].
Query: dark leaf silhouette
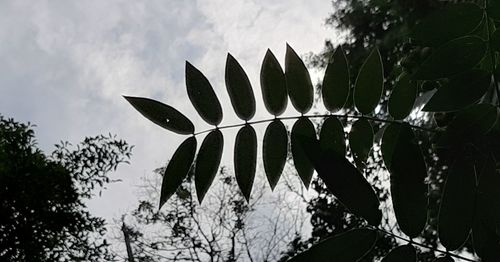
[
  {"x": 444, "y": 61},
  {"x": 202, "y": 95},
  {"x": 361, "y": 141},
  {"x": 369, "y": 83},
  {"x": 336, "y": 82},
  {"x": 298, "y": 81},
  {"x": 239, "y": 89},
  {"x": 177, "y": 169},
  {"x": 345, "y": 182},
  {"x": 402, "y": 98},
  {"x": 456, "y": 212},
  {"x": 461, "y": 91},
  {"x": 162, "y": 115},
  {"x": 469, "y": 124},
  {"x": 207, "y": 162},
  {"x": 332, "y": 136},
  {"x": 302, "y": 127},
  {"x": 406, "y": 253},
  {"x": 273, "y": 84},
  {"x": 274, "y": 148},
  {"x": 346, "y": 247},
  {"x": 485, "y": 235},
  {"x": 408, "y": 187},
  {"x": 443, "y": 25},
  {"x": 389, "y": 140},
  {"x": 444, "y": 259},
  {"x": 245, "y": 157}
]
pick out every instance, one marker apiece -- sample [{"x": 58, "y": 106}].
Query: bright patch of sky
[{"x": 65, "y": 64}]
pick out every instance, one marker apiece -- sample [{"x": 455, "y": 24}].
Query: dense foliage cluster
[{"x": 43, "y": 216}]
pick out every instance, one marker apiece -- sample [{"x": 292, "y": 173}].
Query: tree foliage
[
  {"x": 224, "y": 228},
  {"x": 43, "y": 216},
  {"x": 456, "y": 45}
]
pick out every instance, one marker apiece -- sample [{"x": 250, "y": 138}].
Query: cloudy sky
[{"x": 65, "y": 64}]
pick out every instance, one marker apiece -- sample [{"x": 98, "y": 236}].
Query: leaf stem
[
  {"x": 491, "y": 53},
  {"x": 424, "y": 246},
  {"x": 346, "y": 116}
]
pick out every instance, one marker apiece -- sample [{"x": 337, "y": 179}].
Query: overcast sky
[{"x": 65, "y": 64}]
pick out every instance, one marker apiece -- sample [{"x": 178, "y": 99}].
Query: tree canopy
[{"x": 43, "y": 212}]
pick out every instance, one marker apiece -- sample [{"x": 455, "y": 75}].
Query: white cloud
[{"x": 65, "y": 65}]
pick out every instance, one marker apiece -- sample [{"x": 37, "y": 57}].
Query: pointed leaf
[
  {"x": 239, "y": 89},
  {"x": 485, "y": 232},
  {"x": 332, "y": 135},
  {"x": 345, "y": 247},
  {"x": 402, "y": 97},
  {"x": 162, "y": 115},
  {"x": 202, "y": 95},
  {"x": 461, "y": 91},
  {"x": 273, "y": 84},
  {"x": 345, "y": 182},
  {"x": 444, "y": 63},
  {"x": 177, "y": 169},
  {"x": 406, "y": 253},
  {"x": 207, "y": 162},
  {"x": 456, "y": 212},
  {"x": 369, "y": 83},
  {"x": 361, "y": 141},
  {"x": 336, "y": 83},
  {"x": 245, "y": 157},
  {"x": 275, "y": 146},
  {"x": 302, "y": 127},
  {"x": 389, "y": 140},
  {"x": 408, "y": 187},
  {"x": 469, "y": 124},
  {"x": 298, "y": 81},
  {"x": 454, "y": 21}
]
